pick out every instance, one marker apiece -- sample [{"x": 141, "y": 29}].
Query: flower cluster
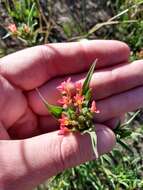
[
  {"x": 78, "y": 110},
  {"x": 24, "y": 32},
  {"x": 14, "y": 30}
]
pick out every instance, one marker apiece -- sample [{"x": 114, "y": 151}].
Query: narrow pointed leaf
[
  {"x": 87, "y": 97},
  {"x": 88, "y": 94},
  {"x": 93, "y": 138},
  {"x": 54, "y": 110},
  {"x": 88, "y": 78},
  {"x": 31, "y": 14},
  {"x": 125, "y": 146},
  {"x": 131, "y": 119}
]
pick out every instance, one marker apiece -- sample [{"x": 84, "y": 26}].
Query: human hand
[{"x": 23, "y": 115}]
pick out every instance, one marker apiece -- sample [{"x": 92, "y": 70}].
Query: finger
[
  {"x": 34, "y": 66},
  {"x": 104, "y": 83},
  {"x": 48, "y": 124},
  {"x": 25, "y": 127},
  {"x": 15, "y": 116},
  {"x": 114, "y": 122},
  {"x": 117, "y": 79},
  {"x": 52, "y": 154},
  {"x": 116, "y": 105},
  {"x": 12, "y": 103}
]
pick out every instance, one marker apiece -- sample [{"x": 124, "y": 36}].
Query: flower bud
[{"x": 81, "y": 119}]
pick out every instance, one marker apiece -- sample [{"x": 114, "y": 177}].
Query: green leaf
[
  {"x": 125, "y": 146},
  {"x": 31, "y": 14},
  {"x": 56, "y": 111},
  {"x": 87, "y": 97},
  {"x": 88, "y": 94},
  {"x": 88, "y": 78},
  {"x": 93, "y": 138},
  {"x": 131, "y": 119},
  {"x": 124, "y": 133},
  {"x": 107, "y": 159},
  {"x": 70, "y": 113}
]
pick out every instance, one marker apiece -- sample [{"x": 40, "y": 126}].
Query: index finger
[{"x": 34, "y": 66}]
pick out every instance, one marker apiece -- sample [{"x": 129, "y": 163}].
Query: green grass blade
[
  {"x": 125, "y": 146},
  {"x": 30, "y": 16},
  {"x": 131, "y": 119}
]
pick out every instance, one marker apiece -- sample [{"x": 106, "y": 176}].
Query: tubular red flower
[
  {"x": 93, "y": 108},
  {"x": 78, "y": 99},
  {"x": 65, "y": 101},
  {"x": 64, "y": 121},
  {"x": 65, "y": 86},
  {"x": 63, "y": 131},
  {"x": 78, "y": 86}
]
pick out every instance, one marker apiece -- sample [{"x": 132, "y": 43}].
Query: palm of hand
[{"x": 22, "y": 72}]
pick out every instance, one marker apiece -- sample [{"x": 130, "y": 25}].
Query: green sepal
[
  {"x": 70, "y": 113},
  {"x": 56, "y": 111},
  {"x": 84, "y": 111},
  {"x": 88, "y": 78}
]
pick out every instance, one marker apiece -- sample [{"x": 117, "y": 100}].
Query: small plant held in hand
[{"x": 77, "y": 109}]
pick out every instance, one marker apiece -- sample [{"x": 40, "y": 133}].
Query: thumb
[{"x": 34, "y": 160}]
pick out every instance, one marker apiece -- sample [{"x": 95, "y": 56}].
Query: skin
[{"x": 31, "y": 150}]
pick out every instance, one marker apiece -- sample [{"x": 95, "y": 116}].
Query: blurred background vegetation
[{"x": 48, "y": 21}]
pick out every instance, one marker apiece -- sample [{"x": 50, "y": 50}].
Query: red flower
[
  {"x": 12, "y": 28},
  {"x": 93, "y": 108},
  {"x": 65, "y": 86},
  {"x": 78, "y": 99},
  {"x": 63, "y": 131},
  {"x": 65, "y": 101},
  {"x": 64, "y": 121},
  {"x": 78, "y": 86}
]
